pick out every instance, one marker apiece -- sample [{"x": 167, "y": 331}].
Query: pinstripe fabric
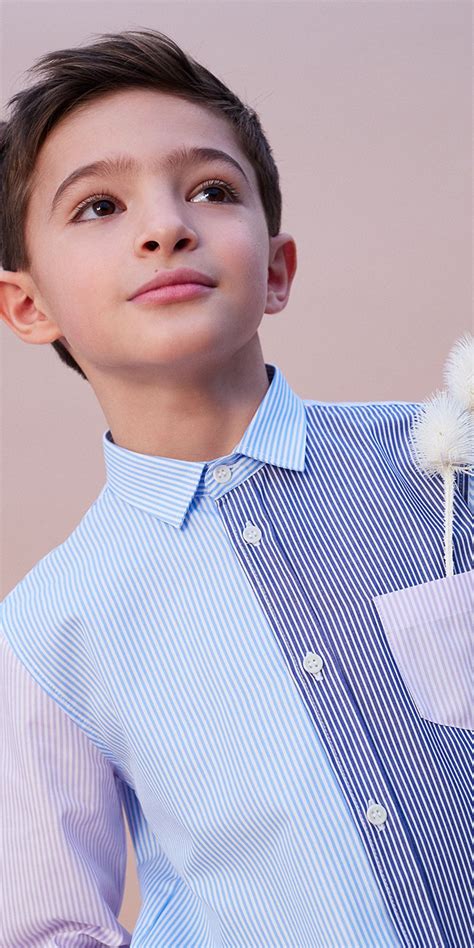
[
  {"x": 430, "y": 632},
  {"x": 61, "y": 819},
  {"x": 211, "y": 633}
]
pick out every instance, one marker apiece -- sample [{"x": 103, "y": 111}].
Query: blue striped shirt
[{"x": 207, "y": 648}]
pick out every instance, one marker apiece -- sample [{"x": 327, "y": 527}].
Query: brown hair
[{"x": 70, "y": 77}]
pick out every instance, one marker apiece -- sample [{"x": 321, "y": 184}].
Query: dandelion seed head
[
  {"x": 442, "y": 435},
  {"x": 458, "y": 372}
]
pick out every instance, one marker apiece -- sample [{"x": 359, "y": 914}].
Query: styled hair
[{"x": 70, "y": 77}]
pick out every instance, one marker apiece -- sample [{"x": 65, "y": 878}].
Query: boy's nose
[{"x": 168, "y": 231}]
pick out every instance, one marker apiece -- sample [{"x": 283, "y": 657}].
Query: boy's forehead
[{"x": 145, "y": 124}]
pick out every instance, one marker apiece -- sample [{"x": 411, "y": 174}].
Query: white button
[
  {"x": 251, "y": 533},
  {"x": 313, "y": 663},
  {"x": 222, "y": 474},
  {"x": 377, "y": 814}
]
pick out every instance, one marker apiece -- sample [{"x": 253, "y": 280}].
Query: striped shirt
[{"x": 216, "y": 648}]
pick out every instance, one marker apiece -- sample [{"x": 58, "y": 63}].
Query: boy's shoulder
[
  {"x": 57, "y": 583},
  {"x": 382, "y": 431},
  {"x": 357, "y": 411},
  {"x": 384, "y": 424},
  {"x": 43, "y": 618}
]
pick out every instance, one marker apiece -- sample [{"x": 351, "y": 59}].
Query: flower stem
[{"x": 448, "y": 479}]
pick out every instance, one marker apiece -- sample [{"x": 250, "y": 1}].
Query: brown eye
[
  {"x": 95, "y": 199},
  {"x": 219, "y": 187},
  {"x": 102, "y": 202}
]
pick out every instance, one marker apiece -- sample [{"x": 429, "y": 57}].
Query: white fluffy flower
[
  {"x": 458, "y": 373},
  {"x": 442, "y": 435}
]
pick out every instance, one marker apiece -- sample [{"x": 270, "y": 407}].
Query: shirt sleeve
[{"x": 63, "y": 848}]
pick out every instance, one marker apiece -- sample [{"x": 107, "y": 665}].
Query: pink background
[{"x": 367, "y": 107}]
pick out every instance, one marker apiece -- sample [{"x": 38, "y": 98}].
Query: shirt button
[
  {"x": 313, "y": 664},
  {"x": 251, "y": 533},
  {"x": 376, "y": 814},
  {"x": 222, "y": 474}
]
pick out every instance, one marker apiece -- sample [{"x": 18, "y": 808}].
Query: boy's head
[{"x": 70, "y": 274}]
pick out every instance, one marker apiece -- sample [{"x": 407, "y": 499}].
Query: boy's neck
[{"x": 191, "y": 422}]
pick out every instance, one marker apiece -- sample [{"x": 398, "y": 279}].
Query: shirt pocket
[{"x": 430, "y": 632}]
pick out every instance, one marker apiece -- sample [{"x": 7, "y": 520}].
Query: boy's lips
[
  {"x": 173, "y": 294},
  {"x": 181, "y": 275}
]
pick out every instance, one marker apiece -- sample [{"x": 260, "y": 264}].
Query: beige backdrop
[{"x": 367, "y": 107}]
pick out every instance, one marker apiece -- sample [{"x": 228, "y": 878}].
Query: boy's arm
[{"x": 63, "y": 852}]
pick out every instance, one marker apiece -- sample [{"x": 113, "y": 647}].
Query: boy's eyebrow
[{"x": 123, "y": 164}]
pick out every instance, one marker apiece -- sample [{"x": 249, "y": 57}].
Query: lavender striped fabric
[
  {"x": 430, "y": 629},
  {"x": 205, "y": 650},
  {"x": 62, "y": 833}
]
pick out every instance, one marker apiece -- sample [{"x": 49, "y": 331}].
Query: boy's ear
[
  {"x": 281, "y": 271},
  {"x": 21, "y": 309}
]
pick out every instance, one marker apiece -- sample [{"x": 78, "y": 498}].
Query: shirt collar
[{"x": 165, "y": 487}]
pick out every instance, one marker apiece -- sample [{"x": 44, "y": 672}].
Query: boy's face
[{"x": 84, "y": 270}]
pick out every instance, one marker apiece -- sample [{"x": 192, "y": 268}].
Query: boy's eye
[{"x": 212, "y": 186}]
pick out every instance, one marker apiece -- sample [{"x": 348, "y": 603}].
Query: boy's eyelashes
[{"x": 213, "y": 183}]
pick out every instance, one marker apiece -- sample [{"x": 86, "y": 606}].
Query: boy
[{"x": 205, "y": 648}]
